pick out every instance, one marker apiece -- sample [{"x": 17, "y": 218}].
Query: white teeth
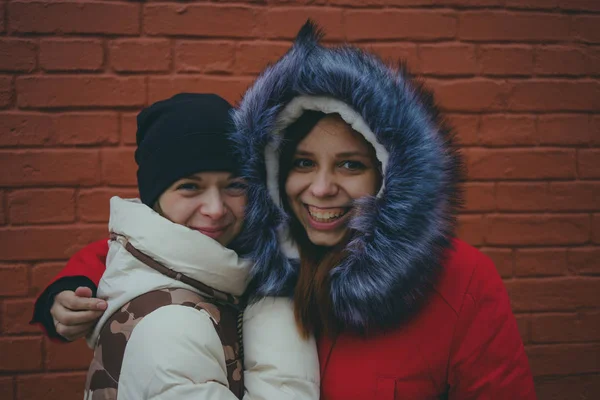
[{"x": 325, "y": 216}]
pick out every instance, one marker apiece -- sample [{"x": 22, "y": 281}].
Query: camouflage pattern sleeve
[{"x": 175, "y": 353}]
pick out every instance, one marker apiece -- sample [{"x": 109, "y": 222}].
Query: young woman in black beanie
[{"x": 173, "y": 278}]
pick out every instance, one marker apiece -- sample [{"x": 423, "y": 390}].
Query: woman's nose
[
  {"x": 212, "y": 205},
  {"x": 324, "y": 185}
]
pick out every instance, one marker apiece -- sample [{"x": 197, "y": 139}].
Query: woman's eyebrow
[
  {"x": 302, "y": 153},
  {"x": 353, "y": 154}
]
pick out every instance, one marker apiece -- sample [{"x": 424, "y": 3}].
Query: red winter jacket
[
  {"x": 455, "y": 346},
  {"x": 463, "y": 344}
]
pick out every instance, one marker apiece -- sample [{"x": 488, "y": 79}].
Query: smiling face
[
  {"x": 211, "y": 203},
  {"x": 332, "y": 166}
]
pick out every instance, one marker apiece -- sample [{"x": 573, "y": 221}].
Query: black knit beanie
[{"x": 181, "y": 136}]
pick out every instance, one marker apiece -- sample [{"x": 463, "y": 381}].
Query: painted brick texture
[{"x": 519, "y": 80}]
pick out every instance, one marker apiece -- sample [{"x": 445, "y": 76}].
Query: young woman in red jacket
[{"x": 354, "y": 157}]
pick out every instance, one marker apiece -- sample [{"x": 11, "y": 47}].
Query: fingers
[
  {"x": 69, "y": 317},
  {"x": 73, "y": 332},
  {"x": 83, "y": 291},
  {"x": 72, "y": 301},
  {"x": 75, "y": 313}
]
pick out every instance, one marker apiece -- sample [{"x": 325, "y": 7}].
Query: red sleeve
[
  {"x": 89, "y": 262},
  {"x": 85, "y": 268},
  {"x": 488, "y": 359}
]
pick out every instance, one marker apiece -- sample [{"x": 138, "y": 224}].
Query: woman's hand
[{"x": 76, "y": 313}]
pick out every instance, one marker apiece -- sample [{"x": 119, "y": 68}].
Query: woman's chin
[{"x": 325, "y": 238}]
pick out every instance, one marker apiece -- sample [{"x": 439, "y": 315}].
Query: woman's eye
[
  {"x": 187, "y": 186},
  {"x": 302, "y": 163},
  {"x": 236, "y": 188},
  {"x": 353, "y": 165}
]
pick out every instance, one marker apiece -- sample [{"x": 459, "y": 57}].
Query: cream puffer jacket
[{"x": 167, "y": 355}]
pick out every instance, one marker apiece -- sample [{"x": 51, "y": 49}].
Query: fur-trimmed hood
[{"x": 404, "y": 231}]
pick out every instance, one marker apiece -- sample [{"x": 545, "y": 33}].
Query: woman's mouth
[
  {"x": 213, "y": 233},
  {"x": 326, "y": 218}
]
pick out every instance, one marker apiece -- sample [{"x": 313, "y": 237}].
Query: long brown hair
[{"x": 312, "y": 301}]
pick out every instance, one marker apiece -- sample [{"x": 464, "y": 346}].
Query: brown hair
[{"x": 312, "y": 301}]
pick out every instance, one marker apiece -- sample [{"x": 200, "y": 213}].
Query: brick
[
  {"x": 532, "y": 4},
  {"x": 71, "y": 54},
  {"x": 2, "y": 16},
  {"x": 584, "y": 260},
  {"x": 568, "y": 387},
  {"x": 552, "y": 229},
  {"x": 483, "y": 26},
  {"x": 37, "y": 129},
  {"x": 128, "y": 128},
  {"x": 588, "y": 163},
  {"x": 541, "y": 262},
  {"x": 479, "y": 196},
  {"x": 252, "y": 58},
  {"x": 20, "y": 354},
  {"x": 7, "y": 383},
  {"x": 59, "y": 167},
  {"x": 560, "y": 60},
  {"x": 87, "y": 128},
  {"x": 140, "y": 55},
  {"x": 80, "y": 91},
  {"x": 14, "y": 280},
  {"x": 119, "y": 167},
  {"x": 553, "y": 294},
  {"x": 505, "y": 60},
  {"x": 470, "y": 94},
  {"x": 595, "y": 130},
  {"x": 470, "y": 229},
  {"x": 521, "y": 196},
  {"x": 557, "y": 95},
  {"x": 72, "y": 356},
  {"x": 579, "y": 5},
  {"x": 17, "y": 55},
  {"x": 557, "y": 196},
  {"x": 596, "y": 228},
  {"x": 503, "y": 259},
  {"x": 3, "y": 210},
  {"x": 448, "y": 59},
  {"x": 26, "y": 129},
  {"x": 6, "y": 91},
  {"x": 41, "y": 274},
  {"x": 564, "y": 130},
  {"x": 41, "y": 206},
  {"x": 466, "y": 128},
  {"x": 364, "y": 3},
  {"x": 471, "y": 3},
  {"x": 593, "y": 60},
  {"x": 64, "y": 386},
  {"x": 60, "y": 243},
  {"x": 199, "y": 20},
  {"x": 574, "y": 196},
  {"x": 586, "y": 28},
  {"x": 394, "y": 53},
  {"x": 579, "y": 327},
  {"x": 284, "y": 22},
  {"x": 399, "y": 24},
  {"x": 16, "y": 316},
  {"x": 520, "y": 163},
  {"x": 564, "y": 359},
  {"x": 507, "y": 130},
  {"x": 230, "y": 89},
  {"x": 204, "y": 56},
  {"x": 93, "y": 204},
  {"x": 74, "y": 17}
]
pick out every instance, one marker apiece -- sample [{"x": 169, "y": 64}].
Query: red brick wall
[{"x": 519, "y": 78}]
